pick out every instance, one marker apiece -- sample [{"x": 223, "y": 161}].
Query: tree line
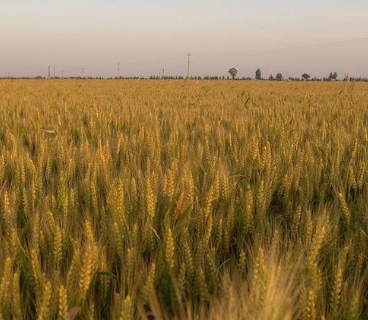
[
  {"x": 233, "y": 72},
  {"x": 333, "y": 76}
]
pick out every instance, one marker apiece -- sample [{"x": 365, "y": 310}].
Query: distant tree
[
  {"x": 233, "y": 72},
  {"x": 258, "y": 74},
  {"x": 271, "y": 78},
  {"x": 279, "y": 77},
  {"x": 305, "y": 76},
  {"x": 333, "y": 76}
]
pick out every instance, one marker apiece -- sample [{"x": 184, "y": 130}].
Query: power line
[{"x": 283, "y": 50}]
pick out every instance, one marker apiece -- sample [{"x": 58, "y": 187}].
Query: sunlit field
[{"x": 183, "y": 199}]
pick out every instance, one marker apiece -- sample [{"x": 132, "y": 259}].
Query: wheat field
[{"x": 183, "y": 200}]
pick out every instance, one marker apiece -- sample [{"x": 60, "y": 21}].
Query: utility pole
[
  {"x": 48, "y": 72},
  {"x": 188, "y": 62},
  {"x": 118, "y": 70},
  {"x": 163, "y": 73},
  {"x": 62, "y": 74}
]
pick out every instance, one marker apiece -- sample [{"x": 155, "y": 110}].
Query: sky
[{"x": 145, "y": 36}]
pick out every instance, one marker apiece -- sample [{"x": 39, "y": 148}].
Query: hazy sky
[{"x": 289, "y": 36}]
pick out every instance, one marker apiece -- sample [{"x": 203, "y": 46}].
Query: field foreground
[{"x": 187, "y": 200}]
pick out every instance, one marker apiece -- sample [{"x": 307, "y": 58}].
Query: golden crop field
[{"x": 186, "y": 200}]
